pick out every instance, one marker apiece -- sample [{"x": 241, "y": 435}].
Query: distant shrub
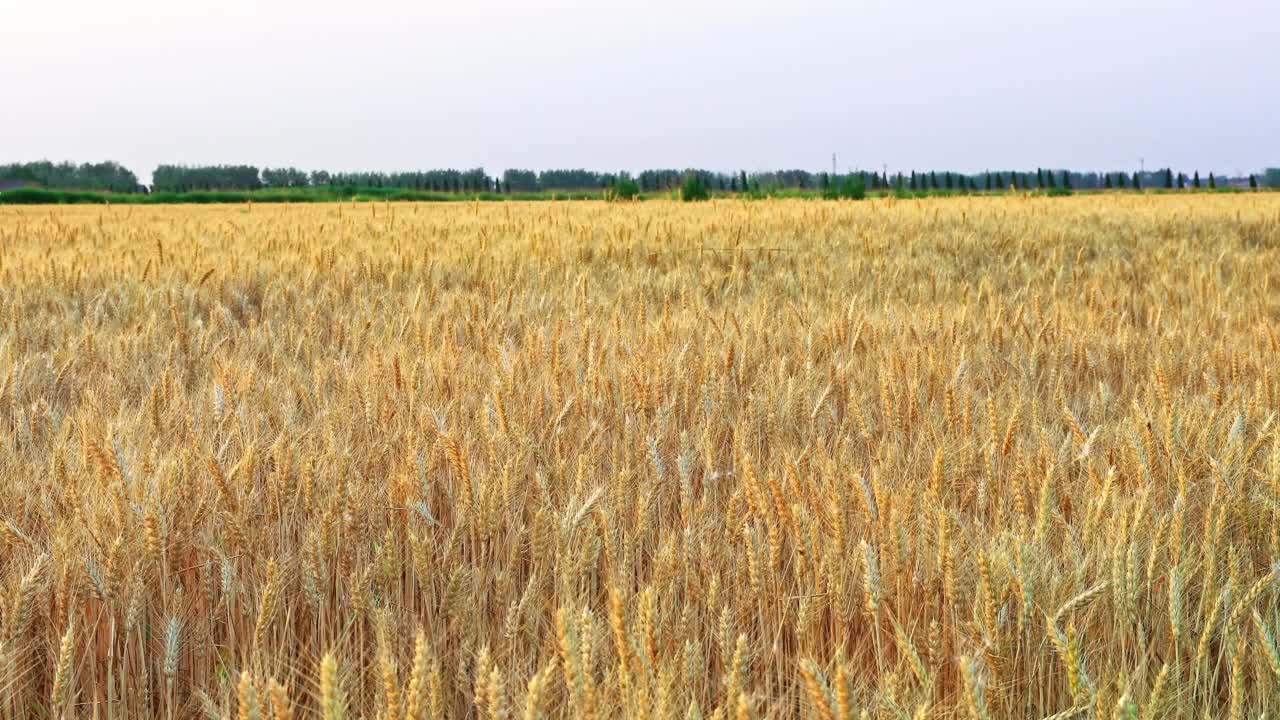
[
  {"x": 623, "y": 189},
  {"x": 693, "y": 190},
  {"x": 43, "y": 196},
  {"x": 850, "y": 188},
  {"x": 756, "y": 192}
]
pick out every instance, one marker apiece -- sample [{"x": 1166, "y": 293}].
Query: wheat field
[{"x": 956, "y": 458}]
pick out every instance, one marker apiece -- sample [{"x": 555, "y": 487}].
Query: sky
[{"x": 748, "y": 84}]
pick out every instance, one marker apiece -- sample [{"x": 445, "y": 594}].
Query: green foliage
[
  {"x": 850, "y": 187},
  {"x": 104, "y": 176},
  {"x": 623, "y": 189},
  {"x": 285, "y": 178},
  {"x": 183, "y": 178},
  {"x": 45, "y": 182},
  {"x": 40, "y": 196},
  {"x": 693, "y": 190}
]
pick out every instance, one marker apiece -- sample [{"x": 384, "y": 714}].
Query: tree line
[
  {"x": 112, "y": 177},
  {"x": 104, "y": 176},
  {"x": 182, "y": 178}
]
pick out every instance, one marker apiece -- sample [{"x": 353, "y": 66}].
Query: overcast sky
[{"x": 405, "y": 84}]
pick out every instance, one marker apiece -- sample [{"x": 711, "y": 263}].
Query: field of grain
[{"x": 979, "y": 457}]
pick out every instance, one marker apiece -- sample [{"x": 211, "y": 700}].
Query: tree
[
  {"x": 106, "y": 176},
  {"x": 1137, "y": 182},
  {"x": 1182, "y": 181},
  {"x": 182, "y": 178},
  {"x": 575, "y": 179},
  {"x": 850, "y": 187},
  {"x": 1108, "y": 181},
  {"x": 693, "y": 189},
  {"x": 1195, "y": 180},
  {"x": 1066, "y": 179},
  {"x": 1168, "y": 178},
  {"x": 624, "y": 189},
  {"x": 285, "y": 178},
  {"x": 1253, "y": 182},
  {"x": 1213, "y": 184},
  {"x": 520, "y": 180}
]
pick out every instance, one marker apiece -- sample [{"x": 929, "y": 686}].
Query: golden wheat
[{"x": 979, "y": 457}]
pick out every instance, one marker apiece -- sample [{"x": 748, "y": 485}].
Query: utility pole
[{"x": 833, "y": 165}]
